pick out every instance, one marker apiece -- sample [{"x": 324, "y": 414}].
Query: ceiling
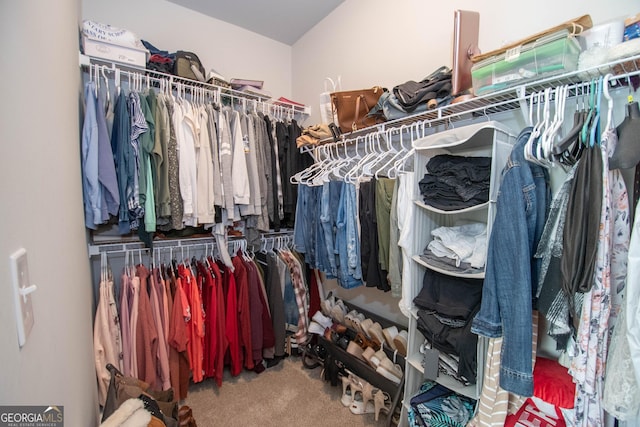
[{"x": 282, "y": 20}]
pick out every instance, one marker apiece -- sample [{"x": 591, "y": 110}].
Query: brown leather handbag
[{"x": 352, "y": 108}]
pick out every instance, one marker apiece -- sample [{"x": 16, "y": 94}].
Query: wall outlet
[{"x": 22, "y": 294}]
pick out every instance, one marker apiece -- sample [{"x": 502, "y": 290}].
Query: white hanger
[
  {"x": 396, "y": 152},
  {"x": 605, "y": 87}
]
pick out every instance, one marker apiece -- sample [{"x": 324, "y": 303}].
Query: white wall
[
  {"x": 379, "y": 42},
  {"x": 42, "y": 210},
  {"x": 230, "y": 50}
]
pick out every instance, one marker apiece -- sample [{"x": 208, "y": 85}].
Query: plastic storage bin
[{"x": 552, "y": 54}]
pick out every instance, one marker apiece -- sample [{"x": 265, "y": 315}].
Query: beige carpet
[{"x": 285, "y": 395}]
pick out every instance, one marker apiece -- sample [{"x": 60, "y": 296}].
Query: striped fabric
[{"x": 495, "y": 402}]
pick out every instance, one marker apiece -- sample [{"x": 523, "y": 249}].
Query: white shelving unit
[{"x": 486, "y": 139}]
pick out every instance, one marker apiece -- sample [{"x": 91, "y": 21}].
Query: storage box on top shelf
[
  {"x": 555, "y": 53},
  {"x": 114, "y": 52}
]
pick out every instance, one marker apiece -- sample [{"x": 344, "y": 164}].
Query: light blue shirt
[{"x": 92, "y": 192}]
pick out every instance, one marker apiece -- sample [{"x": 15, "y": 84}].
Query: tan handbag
[{"x": 352, "y": 108}]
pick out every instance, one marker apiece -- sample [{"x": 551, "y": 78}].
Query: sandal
[
  {"x": 350, "y": 385},
  {"x": 381, "y": 402},
  {"x": 363, "y": 400}
]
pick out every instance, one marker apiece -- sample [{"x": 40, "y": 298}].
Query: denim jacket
[{"x": 506, "y": 308}]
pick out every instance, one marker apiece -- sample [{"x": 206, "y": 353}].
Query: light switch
[{"x": 22, "y": 294}]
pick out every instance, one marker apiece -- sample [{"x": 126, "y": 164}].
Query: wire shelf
[
  {"x": 157, "y": 76},
  {"x": 507, "y": 99}
]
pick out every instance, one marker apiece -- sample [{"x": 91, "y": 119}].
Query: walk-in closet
[{"x": 336, "y": 213}]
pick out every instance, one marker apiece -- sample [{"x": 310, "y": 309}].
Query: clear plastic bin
[{"x": 552, "y": 54}]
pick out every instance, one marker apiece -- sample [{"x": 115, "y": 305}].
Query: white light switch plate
[{"x": 22, "y": 294}]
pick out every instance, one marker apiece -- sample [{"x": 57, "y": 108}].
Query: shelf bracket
[{"x": 522, "y": 99}]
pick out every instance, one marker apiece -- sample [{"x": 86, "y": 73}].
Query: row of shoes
[
  {"x": 395, "y": 339},
  {"x": 362, "y": 398}
]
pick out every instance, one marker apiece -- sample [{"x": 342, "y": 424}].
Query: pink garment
[
  {"x": 205, "y": 276},
  {"x": 125, "y": 325},
  {"x": 147, "y": 335},
  {"x": 163, "y": 376},
  {"x": 179, "y": 338},
  {"x": 134, "y": 302},
  {"x": 107, "y": 343}
]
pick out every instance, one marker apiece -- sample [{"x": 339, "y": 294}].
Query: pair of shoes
[
  {"x": 383, "y": 365},
  {"x": 389, "y": 370},
  {"x": 389, "y": 334},
  {"x": 327, "y": 305},
  {"x": 319, "y": 323},
  {"x": 338, "y": 311},
  {"x": 355, "y": 349},
  {"x": 353, "y": 319},
  {"x": 376, "y": 334},
  {"x": 362, "y": 402},
  {"x": 365, "y": 342},
  {"x": 185, "y": 417},
  {"x": 350, "y": 385},
  {"x": 381, "y": 402},
  {"x": 400, "y": 341}
]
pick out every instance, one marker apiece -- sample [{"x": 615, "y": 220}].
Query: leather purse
[{"x": 352, "y": 108}]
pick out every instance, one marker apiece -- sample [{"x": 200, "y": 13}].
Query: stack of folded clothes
[
  {"x": 456, "y": 182},
  {"x": 460, "y": 249},
  {"x": 446, "y": 306}
]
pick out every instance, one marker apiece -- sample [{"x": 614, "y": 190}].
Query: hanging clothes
[
  {"x": 196, "y": 324},
  {"x": 156, "y": 291},
  {"x": 523, "y": 199},
  {"x": 146, "y": 333},
  {"x": 244, "y": 312},
  {"x": 178, "y": 335},
  {"x": 372, "y": 272},
  {"x": 592, "y": 343},
  {"x": 92, "y": 192},
  {"x": 107, "y": 340}
]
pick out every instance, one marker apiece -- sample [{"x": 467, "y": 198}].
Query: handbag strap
[{"x": 354, "y": 126}]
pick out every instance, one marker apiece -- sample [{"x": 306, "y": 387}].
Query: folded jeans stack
[
  {"x": 447, "y": 305},
  {"x": 456, "y": 182}
]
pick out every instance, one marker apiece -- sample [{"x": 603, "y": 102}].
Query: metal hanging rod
[
  {"x": 97, "y": 249},
  {"x": 176, "y": 82}
]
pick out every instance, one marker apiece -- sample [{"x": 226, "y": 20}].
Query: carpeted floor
[{"x": 285, "y": 395}]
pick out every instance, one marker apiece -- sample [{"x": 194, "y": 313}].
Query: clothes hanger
[
  {"x": 584, "y": 133},
  {"x": 342, "y": 161},
  {"x": 107, "y": 104},
  {"x": 531, "y": 146},
  {"x": 538, "y": 155},
  {"x": 594, "y": 131},
  {"x": 571, "y": 137},
  {"x": 607, "y": 95},
  {"x": 551, "y": 135},
  {"x": 397, "y": 152},
  {"x": 379, "y": 153},
  {"x": 528, "y": 149},
  {"x": 627, "y": 151}
]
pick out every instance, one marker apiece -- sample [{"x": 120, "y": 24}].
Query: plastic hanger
[
  {"x": 549, "y": 137},
  {"x": 627, "y": 152},
  {"x": 594, "y": 131},
  {"x": 584, "y": 134},
  {"x": 607, "y": 95},
  {"x": 397, "y": 153},
  {"x": 107, "y": 103},
  {"x": 572, "y": 136}
]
